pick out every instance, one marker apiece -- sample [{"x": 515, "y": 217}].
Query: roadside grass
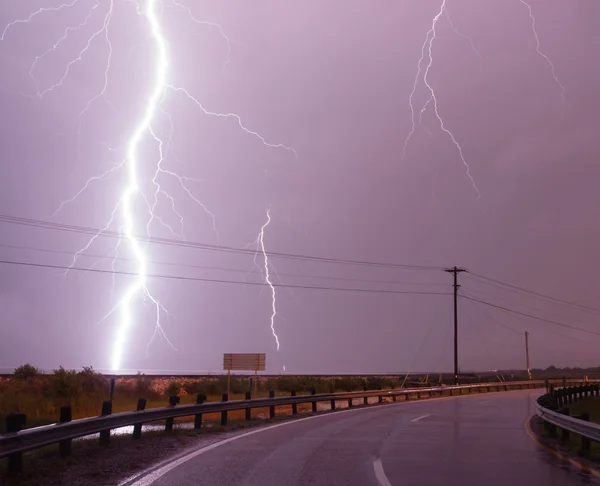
[
  {"x": 573, "y": 445},
  {"x": 590, "y": 405}
]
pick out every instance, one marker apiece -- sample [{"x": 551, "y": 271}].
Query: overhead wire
[
  {"x": 550, "y": 321},
  {"x": 236, "y": 282},
  {"x": 515, "y": 288},
  {"x": 210, "y": 267},
  {"x": 99, "y": 232}
]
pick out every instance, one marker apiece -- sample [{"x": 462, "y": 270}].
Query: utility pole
[
  {"x": 455, "y": 271},
  {"x": 527, "y": 354}
]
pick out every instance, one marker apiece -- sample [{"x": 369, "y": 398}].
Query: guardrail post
[
  {"x": 249, "y": 409},
  {"x": 272, "y": 407},
  {"x": 314, "y": 403},
  {"x": 15, "y": 422},
  {"x": 585, "y": 442},
  {"x": 137, "y": 428},
  {"x": 580, "y": 392},
  {"x": 64, "y": 446},
  {"x": 564, "y": 436},
  {"x": 349, "y": 402},
  {"x": 365, "y": 399},
  {"x": 224, "y": 398},
  {"x": 333, "y": 404},
  {"x": 596, "y": 389},
  {"x": 173, "y": 401},
  {"x": 105, "y": 434},
  {"x": 570, "y": 395},
  {"x": 200, "y": 399},
  {"x": 294, "y": 406},
  {"x": 380, "y": 397}
]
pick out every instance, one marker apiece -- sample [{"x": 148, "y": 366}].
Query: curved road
[{"x": 470, "y": 440}]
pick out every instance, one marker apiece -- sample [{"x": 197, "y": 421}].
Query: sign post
[{"x": 244, "y": 362}]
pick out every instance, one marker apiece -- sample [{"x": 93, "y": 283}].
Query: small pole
[
  {"x": 365, "y": 399},
  {"x": 527, "y": 354},
  {"x": 248, "y": 409},
  {"x": 112, "y": 388},
  {"x": 294, "y": 406},
  {"x": 14, "y": 423},
  {"x": 272, "y": 407},
  {"x": 65, "y": 445},
  {"x": 585, "y": 442},
  {"x": 200, "y": 399},
  {"x": 224, "y": 398},
  {"x": 173, "y": 401},
  {"x": 314, "y": 403},
  {"x": 105, "y": 434},
  {"x": 229, "y": 377},
  {"x": 137, "y": 428}
]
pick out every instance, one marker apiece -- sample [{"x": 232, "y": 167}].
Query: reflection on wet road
[{"x": 471, "y": 440}]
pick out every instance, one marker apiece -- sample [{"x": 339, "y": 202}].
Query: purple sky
[{"x": 331, "y": 79}]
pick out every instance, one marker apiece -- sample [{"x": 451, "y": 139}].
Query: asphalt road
[{"x": 470, "y": 440}]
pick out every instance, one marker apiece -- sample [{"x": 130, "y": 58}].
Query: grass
[
  {"x": 589, "y": 405},
  {"x": 573, "y": 445}
]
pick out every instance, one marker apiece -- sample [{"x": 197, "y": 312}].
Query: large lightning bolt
[
  {"x": 427, "y": 51},
  {"x": 131, "y": 168}
]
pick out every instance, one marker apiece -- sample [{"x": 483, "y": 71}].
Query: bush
[
  {"x": 93, "y": 382},
  {"x": 143, "y": 385},
  {"x": 67, "y": 383},
  {"x": 26, "y": 371},
  {"x": 174, "y": 388}
]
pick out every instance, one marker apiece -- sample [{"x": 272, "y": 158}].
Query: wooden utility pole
[
  {"x": 455, "y": 271},
  {"x": 527, "y": 354}
]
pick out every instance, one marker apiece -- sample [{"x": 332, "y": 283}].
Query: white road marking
[
  {"x": 380, "y": 473},
  {"x": 148, "y": 477},
  {"x": 486, "y": 401},
  {"x": 420, "y": 418}
]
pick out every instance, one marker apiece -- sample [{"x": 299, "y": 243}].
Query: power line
[
  {"x": 204, "y": 246},
  {"x": 531, "y": 316},
  {"x": 209, "y": 267},
  {"x": 490, "y": 281},
  {"x": 463, "y": 294},
  {"x": 522, "y": 319},
  {"x": 236, "y": 282}
]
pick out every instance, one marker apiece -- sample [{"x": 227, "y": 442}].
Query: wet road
[{"x": 470, "y": 440}]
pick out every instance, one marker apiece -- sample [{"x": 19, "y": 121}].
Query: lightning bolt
[
  {"x": 265, "y": 270},
  {"x": 132, "y": 167},
  {"x": 423, "y": 69},
  {"x": 427, "y": 52},
  {"x": 539, "y": 51}
]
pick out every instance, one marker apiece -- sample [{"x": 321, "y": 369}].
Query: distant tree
[{"x": 26, "y": 371}]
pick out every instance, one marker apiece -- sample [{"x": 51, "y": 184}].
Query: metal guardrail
[
  {"x": 28, "y": 439},
  {"x": 560, "y": 398},
  {"x": 580, "y": 427}
]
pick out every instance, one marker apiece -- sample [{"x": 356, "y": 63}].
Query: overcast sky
[{"x": 332, "y": 80}]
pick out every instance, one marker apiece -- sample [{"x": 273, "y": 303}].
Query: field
[{"x": 40, "y": 397}]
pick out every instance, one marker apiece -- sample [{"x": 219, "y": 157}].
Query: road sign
[{"x": 244, "y": 362}]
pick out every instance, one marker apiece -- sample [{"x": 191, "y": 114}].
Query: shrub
[
  {"x": 174, "y": 388},
  {"x": 92, "y": 382},
  {"x": 67, "y": 383},
  {"x": 26, "y": 371}
]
